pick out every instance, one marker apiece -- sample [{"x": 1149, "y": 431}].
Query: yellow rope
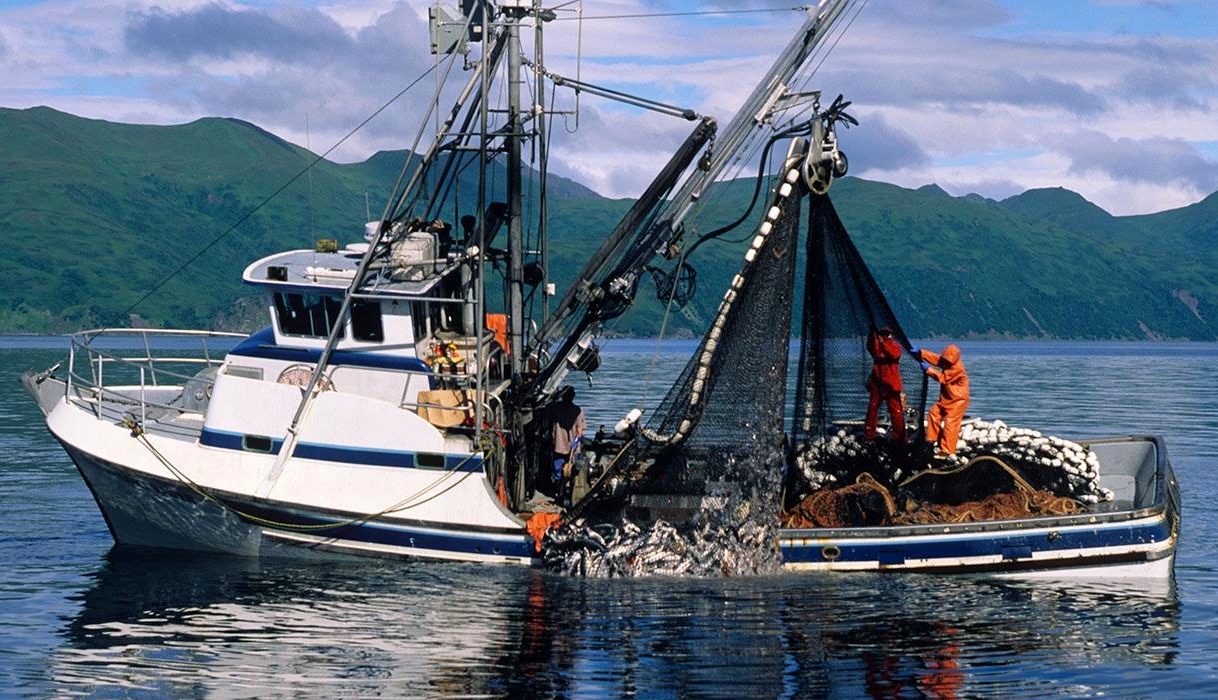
[
  {"x": 137, "y": 432},
  {"x": 1020, "y": 482}
]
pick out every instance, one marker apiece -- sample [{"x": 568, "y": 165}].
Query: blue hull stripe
[
  {"x": 371, "y": 532},
  {"x": 1010, "y": 545},
  {"x": 347, "y": 455},
  {"x": 262, "y": 345}
]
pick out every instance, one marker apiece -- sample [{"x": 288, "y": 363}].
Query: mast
[
  {"x": 539, "y": 114},
  {"x": 515, "y": 225}
]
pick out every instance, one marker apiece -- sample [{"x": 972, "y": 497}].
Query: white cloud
[{"x": 950, "y": 91}]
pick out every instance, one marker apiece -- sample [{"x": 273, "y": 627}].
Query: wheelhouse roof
[{"x": 331, "y": 273}]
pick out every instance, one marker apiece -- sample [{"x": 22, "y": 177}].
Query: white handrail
[{"x": 146, "y": 365}]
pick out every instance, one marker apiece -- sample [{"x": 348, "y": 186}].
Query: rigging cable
[
  {"x": 687, "y": 251},
  {"x": 245, "y": 217},
  {"x": 411, "y": 501},
  {"x": 829, "y": 50},
  {"x": 800, "y": 130},
  {"x": 691, "y": 13}
]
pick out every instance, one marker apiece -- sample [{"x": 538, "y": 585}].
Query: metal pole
[
  {"x": 515, "y": 228},
  {"x": 148, "y": 354},
  {"x": 480, "y": 369},
  {"x": 539, "y": 117}
]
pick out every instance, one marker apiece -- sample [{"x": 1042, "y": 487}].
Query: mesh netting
[
  {"x": 842, "y": 306},
  {"x": 712, "y": 453},
  {"x": 726, "y": 408}
]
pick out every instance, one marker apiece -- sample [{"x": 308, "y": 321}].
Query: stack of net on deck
[{"x": 715, "y": 444}]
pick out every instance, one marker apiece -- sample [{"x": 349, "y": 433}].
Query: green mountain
[{"x": 95, "y": 215}]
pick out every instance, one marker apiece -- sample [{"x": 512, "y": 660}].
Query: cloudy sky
[{"x": 1116, "y": 99}]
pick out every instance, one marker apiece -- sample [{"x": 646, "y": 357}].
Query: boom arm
[{"x": 605, "y": 286}]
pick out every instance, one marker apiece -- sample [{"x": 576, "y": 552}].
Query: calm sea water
[{"x": 80, "y": 617}]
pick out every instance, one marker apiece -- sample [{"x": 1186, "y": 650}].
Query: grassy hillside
[{"x": 94, "y": 214}]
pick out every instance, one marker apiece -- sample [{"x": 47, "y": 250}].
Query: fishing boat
[
  {"x": 1132, "y": 536},
  {"x": 394, "y": 406}
]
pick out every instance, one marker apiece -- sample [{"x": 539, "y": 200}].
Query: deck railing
[{"x": 171, "y": 358}]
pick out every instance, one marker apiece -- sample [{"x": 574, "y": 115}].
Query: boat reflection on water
[
  {"x": 241, "y": 626},
  {"x": 229, "y": 624},
  {"x": 987, "y": 637}
]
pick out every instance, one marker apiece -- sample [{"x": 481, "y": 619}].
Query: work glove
[
  {"x": 925, "y": 365},
  {"x": 916, "y": 352}
]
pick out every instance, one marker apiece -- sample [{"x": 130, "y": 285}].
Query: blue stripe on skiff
[
  {"x": 1010, "y": 545},
  {"x": 345, "y": 454}
]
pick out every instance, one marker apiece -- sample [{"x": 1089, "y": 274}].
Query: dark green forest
[{"x": 95, "y": 214}]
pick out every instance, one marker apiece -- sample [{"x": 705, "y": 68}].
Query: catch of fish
[{"x": 624, "y": 549}]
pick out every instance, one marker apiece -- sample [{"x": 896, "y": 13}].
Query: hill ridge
[{"x": 124, "y": 204}]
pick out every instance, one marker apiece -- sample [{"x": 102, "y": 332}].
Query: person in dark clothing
[
  {"x": 884, "y": 384},
  {"x": 568, "y": 426}
]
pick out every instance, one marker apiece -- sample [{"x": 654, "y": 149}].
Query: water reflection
[{"x": 234, "y": 626}]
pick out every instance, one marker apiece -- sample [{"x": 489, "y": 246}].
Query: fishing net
[
  {"x": 868, "y": 503},
  {"x": 722, "y": 420},
  {"x": 842, "y": 306},
  {"x": 711, "y": 459}
]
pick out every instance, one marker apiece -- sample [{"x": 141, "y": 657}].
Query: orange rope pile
[
  {"x": 831, "y": 508},
  {"x": 1000, "y": 506}
]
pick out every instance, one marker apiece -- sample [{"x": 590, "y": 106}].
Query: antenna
[{"x": 309, "y": 148}]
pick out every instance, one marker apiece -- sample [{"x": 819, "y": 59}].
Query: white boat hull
[
  {"x": 146, "y": 511},
  {"x": 145, "y": 504}
]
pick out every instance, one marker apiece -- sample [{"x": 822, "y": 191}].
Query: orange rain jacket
[
  {"x": 885, "y": 374},
  {"x": 946, "y": 416},
  {"x": 884, "y": 386}
]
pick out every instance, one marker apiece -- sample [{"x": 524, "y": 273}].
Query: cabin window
[
  {"x": 429, "y": 460},
  {"x": 366, "y": 321},
  {"x": 306, "y": 314},
  {"x": 257, "y": 443}
]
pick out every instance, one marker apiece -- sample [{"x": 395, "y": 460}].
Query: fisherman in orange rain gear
[
  {"x": 884, "y": 384},
  {"x": 943, "y": 422}
]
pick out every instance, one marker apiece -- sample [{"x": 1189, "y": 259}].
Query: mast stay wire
[
  {"x": 858, "y": 9},
  {"x": 267, "y": 200},
  {"x": 754, "y": 144},
  {"x": 746, "y": 154},
  {"x": 690, "y": 13},
  {"x": 398, "y": 199},
  {"x": 686, "y": 251}
]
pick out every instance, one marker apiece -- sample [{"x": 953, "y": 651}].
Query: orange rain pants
[
  {"x": 946, "y": 415},
  {"x": 884, "y": 385}
]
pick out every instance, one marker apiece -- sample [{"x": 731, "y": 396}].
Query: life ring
[{"x": 300, "y": 375}]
